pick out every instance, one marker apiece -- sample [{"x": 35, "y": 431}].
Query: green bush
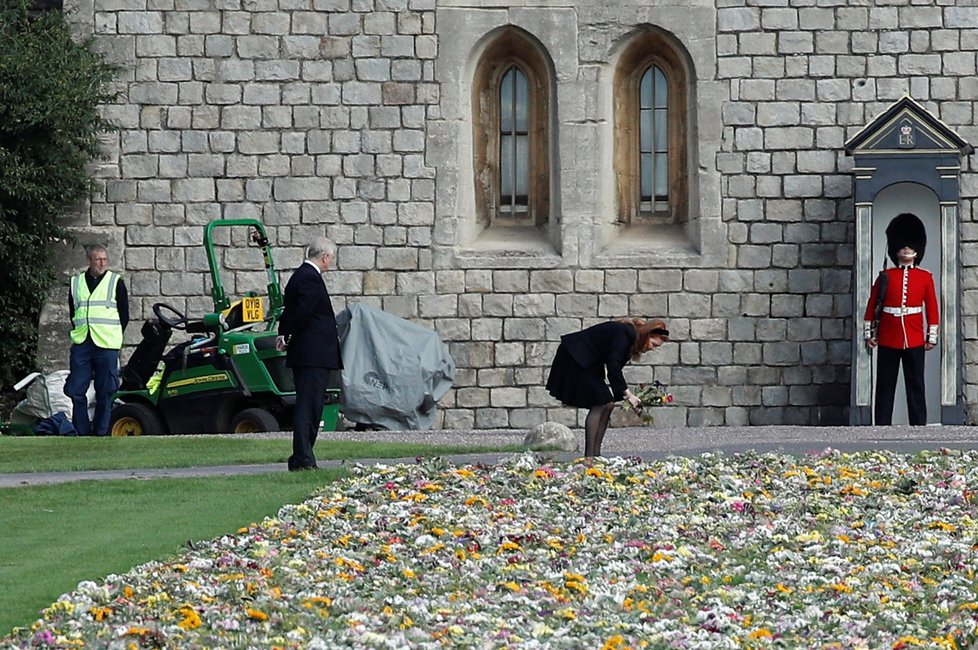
[{"x": 50, "y": 91}]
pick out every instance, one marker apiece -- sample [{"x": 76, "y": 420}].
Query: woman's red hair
[{"x": 644, "y": 330}]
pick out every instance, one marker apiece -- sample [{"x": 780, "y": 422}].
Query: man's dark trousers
[
  {"x": 311, "y": 383},
  {"x": 887, "y": 368},
  {"x": 89, "y": 362}
]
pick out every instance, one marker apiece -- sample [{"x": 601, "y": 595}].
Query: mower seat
[
  {"x": 265, "y": 342},
  {"x": 147, "y": 355}
]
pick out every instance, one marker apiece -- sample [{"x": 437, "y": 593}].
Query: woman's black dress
[{"x": 577, "y": 375}]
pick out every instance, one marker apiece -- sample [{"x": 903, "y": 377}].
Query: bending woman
[{"x": 583, "y": 359}]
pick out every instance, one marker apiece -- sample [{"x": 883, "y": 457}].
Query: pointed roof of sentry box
[{"x": 930, "y": 135}]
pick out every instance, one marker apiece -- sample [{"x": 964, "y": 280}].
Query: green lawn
[
  {"x": 43, "y": 454},
  {"x": 54, "y": 536}
]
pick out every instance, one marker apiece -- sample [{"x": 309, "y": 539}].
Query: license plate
[{"x": 252, "y": 310}]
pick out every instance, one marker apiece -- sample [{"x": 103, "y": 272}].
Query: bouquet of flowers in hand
[{"x": 654, "y": 394}]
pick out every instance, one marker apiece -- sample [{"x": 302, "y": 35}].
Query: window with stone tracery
[
  {"x": 650, "y": 133},
  {"x": 511, "y": 100}
]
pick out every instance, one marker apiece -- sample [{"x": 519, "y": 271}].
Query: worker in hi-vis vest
[{"x": 99, "y": 309}]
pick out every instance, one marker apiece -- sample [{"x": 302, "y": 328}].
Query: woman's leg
[
  {"x": 595, "y": 425},
  {"x": 603, "y": 426}
]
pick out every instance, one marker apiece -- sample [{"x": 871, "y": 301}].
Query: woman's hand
[{"x": 634, "y": 401}]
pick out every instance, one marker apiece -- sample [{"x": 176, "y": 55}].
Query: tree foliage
[{"x": 51, "y": 88}]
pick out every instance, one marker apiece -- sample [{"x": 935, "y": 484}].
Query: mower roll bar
[{"x": 258, "y": 236}]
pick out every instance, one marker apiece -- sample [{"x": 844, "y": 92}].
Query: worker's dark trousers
[{"x": 887, "y": 368}]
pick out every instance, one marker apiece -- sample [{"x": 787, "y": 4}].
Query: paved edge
[{"x": 642, "y": 442}]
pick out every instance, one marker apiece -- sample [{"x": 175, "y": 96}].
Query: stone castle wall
[{"x": 353, "y": 117}]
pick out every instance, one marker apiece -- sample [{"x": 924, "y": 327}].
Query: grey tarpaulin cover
[{"x": 394, "y": 371}]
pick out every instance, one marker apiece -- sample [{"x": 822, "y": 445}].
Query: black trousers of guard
[{"x": 888, "y": 362}]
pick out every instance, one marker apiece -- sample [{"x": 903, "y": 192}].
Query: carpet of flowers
[{"x": 830, "y": 550}]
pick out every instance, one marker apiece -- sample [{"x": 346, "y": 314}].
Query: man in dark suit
[{"x": 307, "y": 331}]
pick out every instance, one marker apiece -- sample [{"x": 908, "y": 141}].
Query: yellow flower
[
  {"x": 191, "y": 619},
  {"x": 760, "y": 633},
  {"x": 231, "y": 576},
  {"x": 945, "y": 642},
  {"x": 407, "y": 573},
  {"x": 616, "y": 642},
  {"x": 507, "y": 546},
  {"x": 100, "y": 613},
  {"x": 512, "y": 586},
  {"x": 256, "y": 614},
  {"x": 322, "y": 601},
  {"x": 433, "y": 549},
  {"x": 574, "y": 585}
]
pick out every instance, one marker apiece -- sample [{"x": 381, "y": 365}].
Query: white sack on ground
[
  {"x": 394, "y": 371},
  {"x": 45, "y": 397}
]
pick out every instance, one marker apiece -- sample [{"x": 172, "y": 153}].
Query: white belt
[{"x": 902, "y": 311}]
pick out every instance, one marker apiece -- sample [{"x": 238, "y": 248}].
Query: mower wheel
[
  {"x": 254, "y": 420},
  {"x": 135, "y": 420}
]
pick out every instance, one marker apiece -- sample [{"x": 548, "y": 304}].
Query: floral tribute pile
[{"x": 865, "y": 550}]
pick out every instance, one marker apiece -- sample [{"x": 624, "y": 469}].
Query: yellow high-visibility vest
[{"x": 96, "y": 312}]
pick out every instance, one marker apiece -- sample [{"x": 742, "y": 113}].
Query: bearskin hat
[{"x": 906, "y": 230}]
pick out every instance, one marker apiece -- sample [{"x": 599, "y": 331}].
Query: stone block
[
  {"x": 507, "y": 397},
  {"x": 403, "y": 259},
  {"x": 552, "y": 281},
  {"x": 533, "y": 304},
  {"x": 510, "y": 354}
]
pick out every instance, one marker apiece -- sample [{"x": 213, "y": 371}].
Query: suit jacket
[
  {"x": 605, "y": 344},
  {"x": 308, "y": 323},
  {"x": 913, "y": 288}
]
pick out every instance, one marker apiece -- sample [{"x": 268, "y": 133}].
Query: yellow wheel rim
[
  {"x": 127, "y": 426},
  {"x": 247, "y": 426}
]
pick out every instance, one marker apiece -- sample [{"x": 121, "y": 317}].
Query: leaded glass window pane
[
  {"x": 514, "y": 143},
  {"x": 654, "y": 140}
]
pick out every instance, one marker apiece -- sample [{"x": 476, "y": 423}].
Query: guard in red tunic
[{"x": 907, "y": 298}]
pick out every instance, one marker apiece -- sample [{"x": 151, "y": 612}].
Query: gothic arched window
[
  {"x": 651, "y": 133},
  {"x": 511, "y": 116}
]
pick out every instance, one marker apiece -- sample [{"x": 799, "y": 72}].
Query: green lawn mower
[{"x": 228, "y": 377}]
